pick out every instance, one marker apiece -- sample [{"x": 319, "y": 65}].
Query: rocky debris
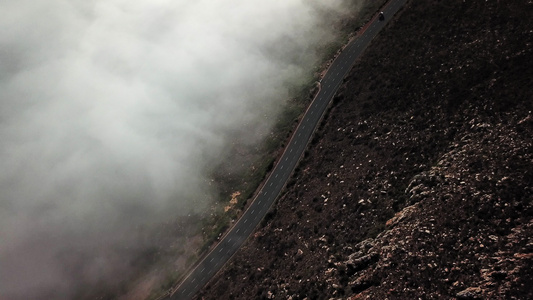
[
  {"x": 418, "y": 241},
  {"x": 470, "y": 293},
  {"x": 420, "y": 186},
  {"x": 401, "y": 215},
  {"x": 361, "y": 283},
  {"x": 437, "y": 171},
  {"x": 359, "y": 263}
]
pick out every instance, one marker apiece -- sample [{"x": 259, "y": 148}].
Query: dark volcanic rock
[
  {"x": 470, "y": 293},
  {"x": 419, "y": 183}
]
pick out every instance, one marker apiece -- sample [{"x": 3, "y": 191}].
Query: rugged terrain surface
[{"x": 419, "y": 182}]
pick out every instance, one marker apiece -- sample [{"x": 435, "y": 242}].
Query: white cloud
[{"x": 111, "y": 113}]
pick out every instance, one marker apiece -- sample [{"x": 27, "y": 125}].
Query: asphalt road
[{"x": 214, "y": 261}]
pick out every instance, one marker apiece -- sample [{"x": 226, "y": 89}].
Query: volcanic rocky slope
[{"x": 419, "y": 181}]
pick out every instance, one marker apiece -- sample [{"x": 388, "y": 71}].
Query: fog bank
[{"x": 112, "y": 112}]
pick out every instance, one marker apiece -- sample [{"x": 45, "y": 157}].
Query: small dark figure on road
[{"x": 381, "y": 16}]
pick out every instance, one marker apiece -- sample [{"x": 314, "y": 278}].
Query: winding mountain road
[{"x": 232, "y": 241}]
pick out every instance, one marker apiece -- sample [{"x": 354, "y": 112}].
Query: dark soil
[{"x": 419, "y": 181}]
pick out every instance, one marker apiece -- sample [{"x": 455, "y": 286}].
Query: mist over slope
[{"x": 111, "y": 113}]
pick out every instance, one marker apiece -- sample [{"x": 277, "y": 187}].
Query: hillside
[{"x": 419, "y": 181}]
